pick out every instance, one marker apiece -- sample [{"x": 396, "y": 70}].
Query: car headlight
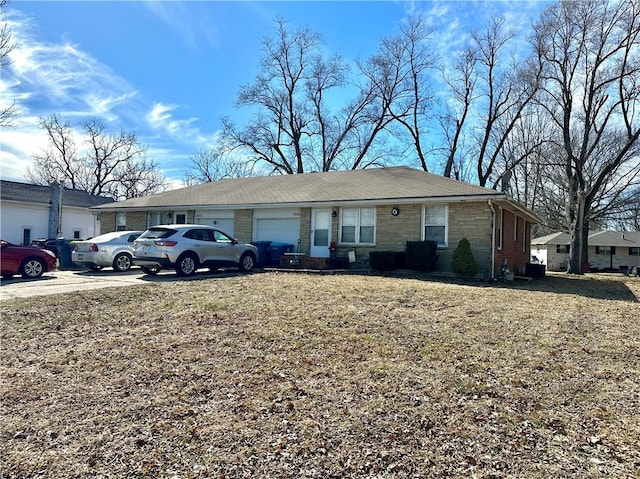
[{"x": 50, "y": 253}]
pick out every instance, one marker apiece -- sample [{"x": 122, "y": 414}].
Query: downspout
[{"x": 493, "y": 239}]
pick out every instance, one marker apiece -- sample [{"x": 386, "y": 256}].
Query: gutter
[{"x": 298, "y": 204}]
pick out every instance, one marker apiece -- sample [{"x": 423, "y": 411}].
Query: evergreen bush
[{"x": 462, "y": 261}]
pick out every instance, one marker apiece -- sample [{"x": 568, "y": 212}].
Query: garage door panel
[
  {"x": 286, "y": 230},
  {"x": 223, "y": 224}
]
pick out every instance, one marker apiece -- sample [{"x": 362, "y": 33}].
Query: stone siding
[
  {"x": 305, "y": 230},
  {"x": 466, "y": 220},
  {"x": 243, "y": 225},
  {"x": 471, "y": 221}
]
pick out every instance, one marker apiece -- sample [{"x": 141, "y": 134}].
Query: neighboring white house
[
  {"x": 607, "y": 250},
  {"x": 29, "y": 211}
]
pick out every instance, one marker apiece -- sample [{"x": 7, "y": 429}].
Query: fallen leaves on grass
[{"x": 292, "y": 376}]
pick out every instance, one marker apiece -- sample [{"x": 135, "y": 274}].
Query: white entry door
[{"x": 320, "y": 232}]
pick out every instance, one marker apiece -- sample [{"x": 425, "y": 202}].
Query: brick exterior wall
[{"x": 516, "y": 243}]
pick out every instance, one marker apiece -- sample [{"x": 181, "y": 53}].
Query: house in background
[
  {"x": 346, "y": 213},
  {"x": 607, "y": 250},
  {"x": 30, "y": 211}
]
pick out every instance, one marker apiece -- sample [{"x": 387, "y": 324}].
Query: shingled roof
[
  {"x": 598, "y": 238},
  {"x": 398, "y": 184},
  {"x": 40, "y": 194}
]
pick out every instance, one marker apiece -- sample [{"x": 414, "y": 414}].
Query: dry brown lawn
[{"x": 281, "y": 375}]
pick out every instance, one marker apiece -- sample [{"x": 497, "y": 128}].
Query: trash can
[
  {"x": 64, "y": 254},
  {"x": 279, "y": 249},
  {"x": 264, "y": 257},
  {"x": 534, "y": 270}
]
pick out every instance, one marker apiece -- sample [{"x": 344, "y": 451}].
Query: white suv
[{"x": 187, "y": 248}]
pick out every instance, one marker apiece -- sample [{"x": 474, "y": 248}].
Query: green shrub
[
  {"x": 462, "y": 261},
  {"x": 421, "y": 255}
]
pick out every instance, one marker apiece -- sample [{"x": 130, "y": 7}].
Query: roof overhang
[{"x": 312, "y": 204}]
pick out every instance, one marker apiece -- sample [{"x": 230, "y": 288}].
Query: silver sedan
[{"x": 110, "y": 249}]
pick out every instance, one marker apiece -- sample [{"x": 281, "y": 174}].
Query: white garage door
[
  {"x": 223, "y": 220},
  {"x": 281, "y": 225},
  {"x": 278, "y": 229}
]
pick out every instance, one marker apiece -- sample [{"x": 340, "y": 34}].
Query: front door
[{"x": 320, "y": 232}]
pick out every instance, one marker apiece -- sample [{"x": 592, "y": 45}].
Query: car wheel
[
  {"x": 150, "y": 270},
  {"x": 247, "y": 262},
  {"x": 32, "y": 268},
  {"x": 186, "y": 265},
  {"x": 122, "y": 262}
]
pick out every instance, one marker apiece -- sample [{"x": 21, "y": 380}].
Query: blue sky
[{"x": 169, "y": 70}]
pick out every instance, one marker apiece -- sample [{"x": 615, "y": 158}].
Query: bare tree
[
  {"x": 7, "y": 112},
  {"x": 461, "y": 81},
  {"x": 591, "y": 59},
  {"x": 492, "y": 93},
  {"x": 627, "y": 218},
  {"x": 294, "y": 129},
  {"x": 408, "y": 60},
  {"x": 111, "y": 165},
  {"x": 525, "y": 158},
  {"x": 212, "y": 164}
]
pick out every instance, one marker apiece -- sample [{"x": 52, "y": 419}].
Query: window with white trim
[
  {"x": 358, "y": 226},
  {"x": 610, "y": 250},
  {"x": 634, "y": 251},
  {"x": 121, "y": 221},
  {"x": 436, "y": 228}
]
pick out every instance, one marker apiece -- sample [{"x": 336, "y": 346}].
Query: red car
[{"x": 29, "y": 261}]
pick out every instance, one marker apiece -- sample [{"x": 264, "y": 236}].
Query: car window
[
  {"x": 158, "y": 233},
  {"x": 132, "y": 238},
  {"x": 221, "y": 237},
  {"x": 199, "y": 234},
  {"x": 193, "y": 234},
  {"x": 208, "y": 235}
]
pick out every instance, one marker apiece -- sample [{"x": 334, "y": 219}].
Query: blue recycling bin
[
  {"x": 264, "y": 256},
  {"x": 278, "y": 249},
  {"x": 64, "y": 254}
]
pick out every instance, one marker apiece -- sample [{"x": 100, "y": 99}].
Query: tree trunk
[{"x": 577, "y": 245}]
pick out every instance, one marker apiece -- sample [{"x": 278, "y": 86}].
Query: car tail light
[
  {"x": 165, "y": 243},
  {"x": 75, "y": 247},
  {"x": 93, "y": 247}
]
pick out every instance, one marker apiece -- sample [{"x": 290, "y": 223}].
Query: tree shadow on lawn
[
  {"x": 599, "y": 286},
  {"x": 588, "y": 286}
]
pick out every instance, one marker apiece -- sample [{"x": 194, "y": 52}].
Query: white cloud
[
  {"x": 48, "y": 78},
  {"x": 161, "y": 119},
  {"x": 192, "y": 23}
]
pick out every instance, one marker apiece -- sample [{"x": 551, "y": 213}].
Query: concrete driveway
[{"x": 66, "y": 281}]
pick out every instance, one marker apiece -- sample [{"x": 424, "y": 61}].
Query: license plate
[{"x": 80, "y": 256}]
